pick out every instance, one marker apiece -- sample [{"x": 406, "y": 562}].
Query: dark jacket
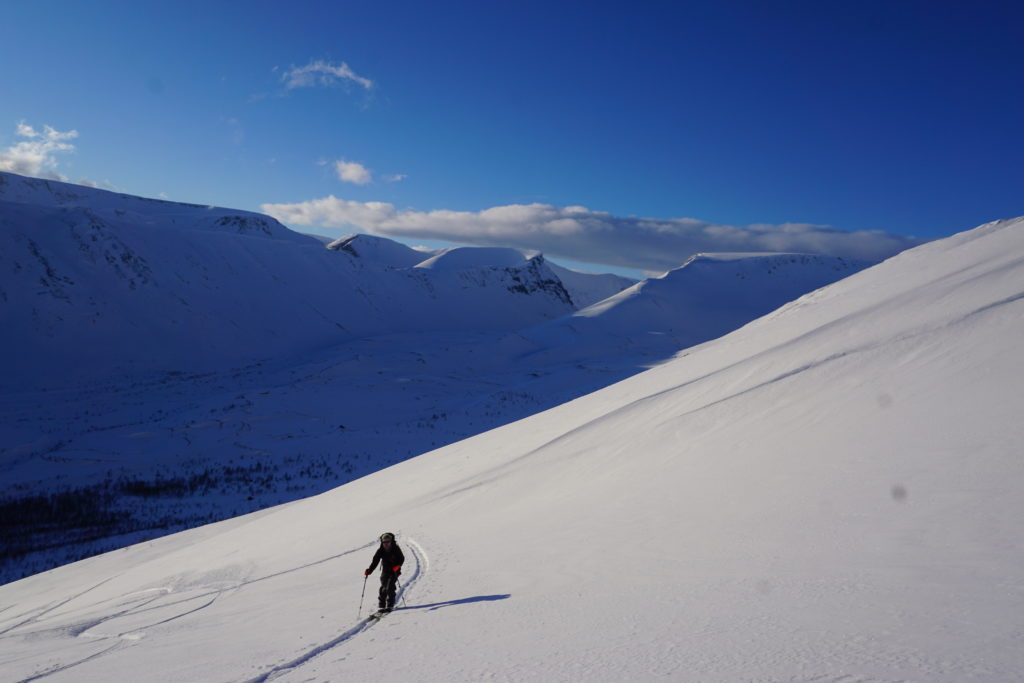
[{"x": 389, "y": 559}]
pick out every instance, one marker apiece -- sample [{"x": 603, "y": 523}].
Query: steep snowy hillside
[{"x": 829, "y": 493}]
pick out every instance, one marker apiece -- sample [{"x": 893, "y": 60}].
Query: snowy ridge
[
  {"x": 584, "y": 288},
  {"x": 101, "y": 204},
  {"x": 379, "y": 250},
  {"x": 94, "y": 284},
  {"x": 831, "y": 492},
  {"x": 709, "y": 295},
  {"x": 462, "y": 258}
]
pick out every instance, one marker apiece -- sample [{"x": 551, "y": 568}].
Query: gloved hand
[
  {"x": 397, "y": 568},
  {"x": 366, "y": 573}
]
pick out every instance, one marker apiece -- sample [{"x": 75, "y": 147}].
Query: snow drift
[{"x": 831, "y": 492}]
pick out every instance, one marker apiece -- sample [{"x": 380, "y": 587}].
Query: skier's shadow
[{"x": 463, "y": 601}]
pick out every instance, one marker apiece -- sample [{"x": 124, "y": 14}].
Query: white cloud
[
  {"x": 581, "y": 234},
  {"x": 321, "y": 73},
  {"x": 333, "y": 212},
  {"x": 395, "y": 177},
  {"x": 352, "y": 172},
  {"x": 35, "y": 156}
]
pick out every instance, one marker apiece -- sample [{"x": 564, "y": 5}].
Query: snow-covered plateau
[{"x": 830, "y": 493}]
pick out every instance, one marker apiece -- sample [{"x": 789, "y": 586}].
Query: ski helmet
[{"x": 387, "y": 536}]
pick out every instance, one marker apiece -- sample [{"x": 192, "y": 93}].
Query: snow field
[
  {"x": 373, "y": 361},
  {"x": 829, "y": 493}
]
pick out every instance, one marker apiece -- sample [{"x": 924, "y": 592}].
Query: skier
[{"x": 391, "y": 559}]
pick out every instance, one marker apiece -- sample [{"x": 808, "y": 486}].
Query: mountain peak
[
  {"x": 380, "y": 250},
  {"x": 464, "y": 258}
]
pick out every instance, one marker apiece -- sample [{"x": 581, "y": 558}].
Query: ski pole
[
  {"x": 365, "y": 577},
  {"x": 400, "y": 591}
]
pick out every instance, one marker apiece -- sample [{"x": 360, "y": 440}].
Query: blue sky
[{"x": 583, "y": 129}]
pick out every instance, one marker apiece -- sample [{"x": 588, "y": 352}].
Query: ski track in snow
[
  {"x": 365, "y": 624},
  {"x": 143, "y": 602},
  {"x": 65, "y": 667},
  {"x": 50, "y": 608}
]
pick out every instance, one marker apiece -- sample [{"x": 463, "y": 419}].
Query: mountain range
[
  {"x": 99, "y": 284},
  {"x": 168, "y": 365},
  {"x": 830, "y": 492}
]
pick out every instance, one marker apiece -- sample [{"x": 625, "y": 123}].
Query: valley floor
[{"x": 94, "y": 468}]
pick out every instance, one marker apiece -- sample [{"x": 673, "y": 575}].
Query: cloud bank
[
  {"x": 581, "y": 234},
  {"x": 321, "y": 73},
  {"x": 35, "y": 155}
]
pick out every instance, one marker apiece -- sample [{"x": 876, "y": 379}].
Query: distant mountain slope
[
  {"x": 463, "y": 258},
  {"x": 148, "y": 213},
  {"x": 584, "y": 288},
  {"x": 832, "y": 492},
  {"x": 93, "y": 283},
  {"x": 379, "y": 250},
  {"x": 589, "y": 288},
  {"x": 708, "y": 296}
]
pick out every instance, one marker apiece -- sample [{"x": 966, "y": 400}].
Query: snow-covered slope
[
  {"x": 707, "y": 296},
  {"x": 379, "y": 250},
  {"x": 832, "y": 492},
  {"x": 95, "y": 284},
  {"x": 88, "y": 206},
  {"x": 170, "y": 312},
  {"x": 462, "y": 258},
  {"x": 584, "y": 289},
  {"x": 589, "y": 288}
]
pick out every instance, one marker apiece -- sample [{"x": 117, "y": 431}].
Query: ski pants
[{"x": 388, "y": 584}]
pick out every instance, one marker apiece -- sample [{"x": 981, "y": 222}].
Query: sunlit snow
[{"x": 831, "y": 492}]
